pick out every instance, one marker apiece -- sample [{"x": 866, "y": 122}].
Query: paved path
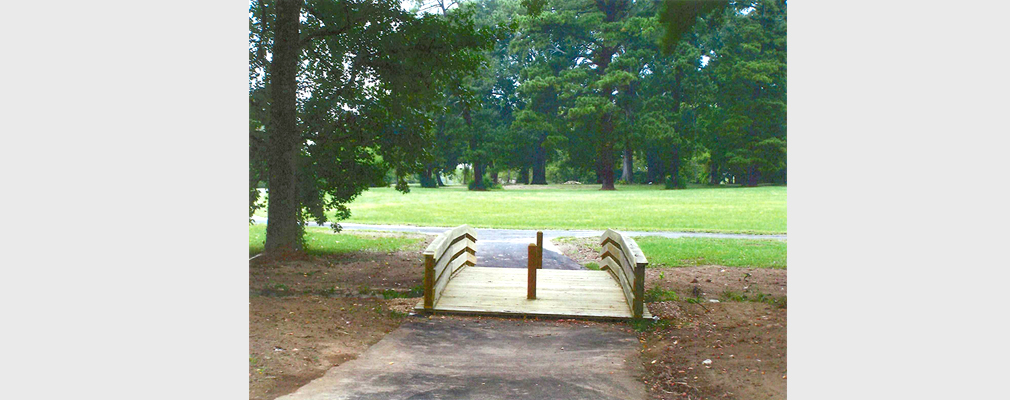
[
  {"x": 506, "y": 248},
  {"x": 488, "y": 359}
]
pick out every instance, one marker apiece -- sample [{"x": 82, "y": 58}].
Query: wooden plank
[
  {"x": 621, "y": 248},
  {"x": 624, "y": 281},
  {"x": 560, "y": 293},
  {"x": 443, "y": 281},
  {"x": 450, "y": 254},
  {"x": 612, "y": 251},
  {"x": 444, "y": 239},
  {"x": 429, "y": 282},
  {"x": 531, "y": 272},
  {"x": 540, "y": 249},
  {"x": 434, "y": 245},
  {"x": 638, "y": 308},
  {"x": 453, "y": 235}
]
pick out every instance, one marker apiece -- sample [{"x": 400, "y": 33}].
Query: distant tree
[{"x": 747, "y": 119}]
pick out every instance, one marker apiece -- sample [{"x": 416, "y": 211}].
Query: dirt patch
[
  {"x": 310, "y": 315},
  {"x": 582, "y": 250},
  {"x": 743, "y": 335},
  {"x": 293, "y": 340},
  {"x": 348, "y": 274},
  {"x": 729, "y": 350}
]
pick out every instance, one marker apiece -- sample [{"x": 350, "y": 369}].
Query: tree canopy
[{"x": 350, "y": 94}]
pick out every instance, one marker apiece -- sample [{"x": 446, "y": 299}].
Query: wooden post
[
  {"x": 429, "y": 282},
  {"x": 540, "y": 249},
  {"x": 639, "y": 303},
  {"x": 531, "y": 275}
]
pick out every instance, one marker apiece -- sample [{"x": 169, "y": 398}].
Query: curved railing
[
  {"x": 626, "y": 262},
  {"x": 450, "y": 252}
]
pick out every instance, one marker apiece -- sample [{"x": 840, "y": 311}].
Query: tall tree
[
  {"x": 748, "y": 67},
  {"x": 283, "y": 232},
  {"x": 350, "y": 87}
]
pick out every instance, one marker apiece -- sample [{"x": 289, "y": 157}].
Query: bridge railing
[
  {"x": 450, "y": 252},
  {"x": 626, "y": 262}
]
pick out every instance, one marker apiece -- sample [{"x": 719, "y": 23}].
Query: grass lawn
[
  {"x": 686, "y": 252},
  {"x": 631, "y": 207},
  {"x": 322, "y": 241}
]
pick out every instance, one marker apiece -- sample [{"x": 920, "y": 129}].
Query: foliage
[
  {"x": 368, "y": 74},
  {"x": 553, "y": 90},
  {"x": 746, "y": 121}
]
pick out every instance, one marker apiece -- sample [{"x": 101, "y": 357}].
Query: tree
[
  {"x": 748, "y": 67},
  {"x": 351, "y": 85}
]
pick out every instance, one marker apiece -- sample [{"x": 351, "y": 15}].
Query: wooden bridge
[{"x": 453, "y": 283}]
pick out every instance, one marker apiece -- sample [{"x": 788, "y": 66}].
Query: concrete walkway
[
  {"x": 506, "y": 248},
  {"x": 489, "y": 359}
]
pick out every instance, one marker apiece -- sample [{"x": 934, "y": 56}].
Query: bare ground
[
  {"x": 310, "y": 315},
  {"x": 743, "y": 335}
]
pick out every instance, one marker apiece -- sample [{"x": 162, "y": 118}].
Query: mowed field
[{"x": 760, "y": 210}]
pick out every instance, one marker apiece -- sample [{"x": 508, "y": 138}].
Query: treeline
[
  {"x": 343, "y": 91},
  {"x": 607, "y": 91}
]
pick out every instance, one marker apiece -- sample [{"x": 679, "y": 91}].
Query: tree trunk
[
  {"x": 713, "y": 172},
  {"x": 283, "y": 233},
  {"x": 628, "y": 166},
  {"x": 524, "y": 176},
  {"x": 478, "y": 168},
  {"x": 494, "y": 177},
  {"x": 540, "y": 162},
  {"x": 607, "y": 167},
  {"x": 438, "y": 179},
  {"x": 675, "y": 169},
  {"x": 478, "y": 177},
  {"x": 654, "y": 165},
  {"x": 426, "y": 179},
  {"x": 753, "y": 175}
]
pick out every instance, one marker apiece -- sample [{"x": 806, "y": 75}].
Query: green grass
[
  {"x": 631, "y": 207},
  {"x": 729, "y": 295},
  {"x": 683, "y": 252},
  {"x": 322, "y": 241},
  {"x": 657, "y": 294}
]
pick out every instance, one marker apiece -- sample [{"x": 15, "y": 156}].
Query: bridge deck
[{"x": 560, "y": 293}]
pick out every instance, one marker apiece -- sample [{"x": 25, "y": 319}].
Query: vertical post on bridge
[
  {"x": 531, "y": 272},
  {"x": 540, "y": 249}
]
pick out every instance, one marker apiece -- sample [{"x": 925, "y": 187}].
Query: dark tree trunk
[
  {"x": 654, "y": 165},
  {"x": 540, "y": 162},
  {"x": 628, "y": 166},
  {"x": 753, "y": 175},
  {"x": 494, "y": 177},
  {"x": 283, "y": 233},
  {"x": 524, "y": 176},
  {"x": 607, "y": 168},
  {"x": 478, "y": 168},
  {"x": 426, "y": 179},
  {"x": 675, "y": 168},
  {"x": 478, "y": 177},
  {"x": 438, "y": 179},
  {"x": 713, "y": 172}
]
